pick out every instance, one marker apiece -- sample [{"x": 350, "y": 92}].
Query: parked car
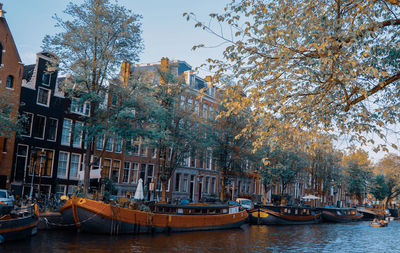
[
  {"x": 245, "y": 203},
  {"x": 6, "y": 202}
]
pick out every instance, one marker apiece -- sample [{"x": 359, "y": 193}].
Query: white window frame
[
  {"x": 79, "y": 166},
  {"x": 48, "y": 97},
  {"x": 66, "y": 167},
  {"x": 129, "y": 172},
  {"x": 79, "y": 145},
  {"x": 44, "y": 73},
  {"x": 69, "y": 134}
]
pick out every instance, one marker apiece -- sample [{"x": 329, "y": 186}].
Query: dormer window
[
  {"x": 46, "y": 77},
  {"x": 10, "y": 82}
]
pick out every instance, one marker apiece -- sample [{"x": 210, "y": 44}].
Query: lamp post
[
  {"x": 43, "y": 158},
  {"x": 34, "y": 157}
]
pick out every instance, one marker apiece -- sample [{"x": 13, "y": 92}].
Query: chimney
[
  {"x": 125, "y": 72},
  {"x": 164, "y": 64},
  {"x": 163, "y": 68},
  {"x": 2, "y": 12}
]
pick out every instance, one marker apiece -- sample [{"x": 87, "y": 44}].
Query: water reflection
[{"x": 354, "y": 237}]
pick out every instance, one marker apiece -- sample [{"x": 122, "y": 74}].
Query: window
[
  {"x": 27, "y": 124},
  {"x": 115, "y": 171},
  {"x": 153, "y": 152},
  {"x": 125, "y": 176},
  {"x": 66, "y": 132},
  {"x": 185, "y": 182},
  {"x": 77, "y": 134},
  {"x": 80, "y": 107},
  {"x": 204, "y": 110},
  {"x": 105, "y": 172},
  {"x": 43, "y": 97},
  {"x": 207, "y": 181},
  {"x": 182, "y": 102},
  {"x": 72, "y": 189},
  {"x": 192, "y": 161},
  {"x": 74, "y": 166},
  {"x": 42, "y": 163},
  {"x": 52, "y": 129},
  {"x": 39, "y": 126},
  {"x": 118, "y": 144},
  {"x": 96, "y": 165},
  {"x": 62, "y": 165},
  {"x": 46, "y": 78},
  {"x": 100, "y": 142},
  {"x": 60, "y": 189},
  {"x": 136, "y": 150},
  {"x": 143, "y": 150},
  {"x": 213, "y": 185},
  {"x": 142, "y": 171},
  {"x": 10, "y": 82},
  {"x": 177, "y": 181},
  {"x": 210, "y": 111},
  {"x": 109, "y": 144},
  {"x": 134, "y": 172},
  {"x": 150, "y": 169}
]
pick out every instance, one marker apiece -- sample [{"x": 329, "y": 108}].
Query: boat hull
[
  {"x": 268, "y": 217},
  {"x": 97, "y": 217},
  {"x": 333, "y": 217},
  {"x": 18, "y": 228}
]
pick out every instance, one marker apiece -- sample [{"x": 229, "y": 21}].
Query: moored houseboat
[
  {"x": 19, "y": 224},
  {"x": 284, "y": 215},
  {"x": 99, "y": 217},
  {"x": 332, "y": 214}
]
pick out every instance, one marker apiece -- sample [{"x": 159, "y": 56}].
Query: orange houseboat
[
  {"x": 284, "y": 215},
  {"x": 99, "y": 217}
]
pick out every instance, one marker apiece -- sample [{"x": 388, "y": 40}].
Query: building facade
[
  {"x": 36, "y": 151},
  {"x": 11, "y": 70}
]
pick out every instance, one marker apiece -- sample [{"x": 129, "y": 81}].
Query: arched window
[
  {"x": 10, "y": 82},
  {"x": 1, "y": 52}
]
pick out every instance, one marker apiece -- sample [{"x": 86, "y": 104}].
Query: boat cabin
[
  {"x": 291, "y": 210},
  {"x": 194, "y": 209}
]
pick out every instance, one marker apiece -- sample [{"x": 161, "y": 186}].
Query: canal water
[{"x": 352, "y": 237}]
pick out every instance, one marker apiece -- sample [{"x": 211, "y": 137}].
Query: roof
[{"x": 28, "y": 72}]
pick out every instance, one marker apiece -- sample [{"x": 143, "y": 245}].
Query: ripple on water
[{"x": 353, "y": 237}]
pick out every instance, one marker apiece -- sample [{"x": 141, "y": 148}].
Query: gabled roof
[{"x": 28, "y": 72}]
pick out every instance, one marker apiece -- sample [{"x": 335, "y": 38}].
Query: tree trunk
[
  {"x": 221, "y": 195},
  {"x": 265, "y": 195},
  {"x": 163, "y": 191},
  {"x": 86, "y": 177}
]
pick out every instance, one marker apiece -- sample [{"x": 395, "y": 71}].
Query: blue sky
[{"x": 166, "y": 32}]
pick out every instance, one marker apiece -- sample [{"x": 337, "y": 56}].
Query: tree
[
  {"x": 231, "y": 150},
  {"x": 379, "y": 188},
  {"x": 358, "y": 172},
  {"x": 311, "y": 65},
  {"x": 177, "y": 130},
  {"x": 389, "y": 168},
  {"x": 91, "y": 46}
]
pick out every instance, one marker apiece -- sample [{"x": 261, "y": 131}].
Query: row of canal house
[{"x": 50, "y": 152}]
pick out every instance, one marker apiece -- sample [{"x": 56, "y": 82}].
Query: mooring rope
[{"x": 73, "y": 224}]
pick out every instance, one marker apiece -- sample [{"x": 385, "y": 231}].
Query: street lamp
[
  {"x": 34, "y": 157},
  {"x": 43, "y": 158}
]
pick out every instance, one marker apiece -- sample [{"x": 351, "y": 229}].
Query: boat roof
[{"x": 193, "y": 206}]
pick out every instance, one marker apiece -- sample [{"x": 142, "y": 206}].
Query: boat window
[
  {"x": 296, "y": 211},
  {"x": 288, "y": 211},
  {"x": 3, "y": 194},
  {"x": 180, "y": 210}
]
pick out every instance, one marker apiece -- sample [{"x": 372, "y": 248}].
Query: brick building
[{"x": 11, "y": 70}]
